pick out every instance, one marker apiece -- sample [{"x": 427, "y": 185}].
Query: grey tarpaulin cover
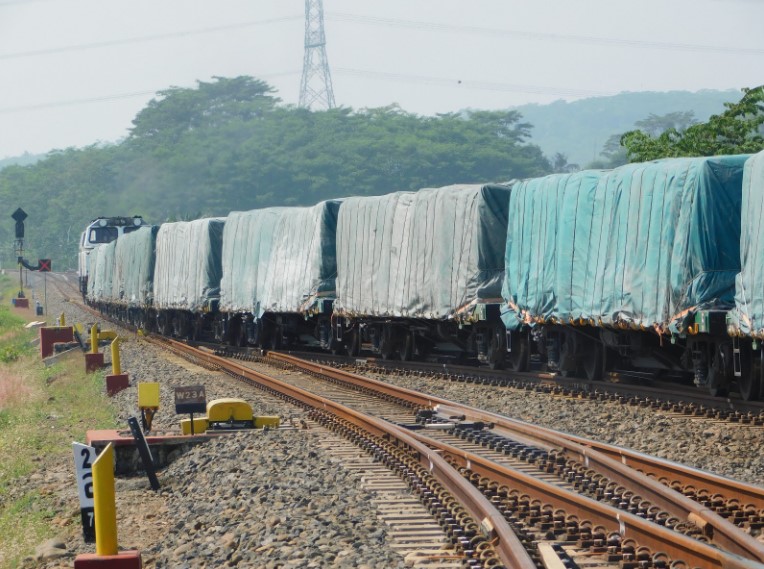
[
  {"x": 134, "y": 267},
  {"x": 279, "y": 259},
  {"x": 429, "y": 254},
  {"x": 748, "y": 316},
  {"x": 188, "y": 267},
  {"x": 100, "y": 280},
  {"x": 645, "y": 244},
  {"x": 92, "y": 269}
]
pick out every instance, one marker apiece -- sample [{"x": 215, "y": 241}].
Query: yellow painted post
[
  {"x": 62, "y": 319},
  {"x": 104, "y": 502},
  {"x": 116, "y": 368},
  {"x": 94, "y": 339}
]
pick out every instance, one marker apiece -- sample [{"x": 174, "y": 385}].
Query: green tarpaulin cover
[
  {"x": 188, "y": 266},
  {"x": 279, "y": 259},
  {"x": 134, "y": 267},
  {"x": 645, "y": 244},
  {"x": 429, "y": 254},
  {"x": 748, "y": 316}
]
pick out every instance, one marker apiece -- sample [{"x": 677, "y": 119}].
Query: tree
[
  {"x": 560, "y": 164},
  {"x": 737, "y": 130},
  {"x": 655, "y": 125},
  {"x": 179, "y": 110}
]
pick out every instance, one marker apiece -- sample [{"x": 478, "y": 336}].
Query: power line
[
  {"x": 468, "y": 84},
  {"x": 103, "y": 98},
  {"x": 143, "y": 39},
  {"x": 537, "y": 36},
  {"x": 73, "y": 102},
  {"x": 391, "y": 22}
]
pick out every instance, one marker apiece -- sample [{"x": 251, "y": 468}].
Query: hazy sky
[{"x": 75, "y": 72}]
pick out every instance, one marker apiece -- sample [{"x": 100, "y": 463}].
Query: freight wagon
[
  {"x": 631, "y": 269},
  {"x": 420, "y": 272}
]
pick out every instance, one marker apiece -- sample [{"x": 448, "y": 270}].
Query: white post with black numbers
[{"x": 83, "y": 462}]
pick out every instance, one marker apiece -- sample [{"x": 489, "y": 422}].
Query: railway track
[
  {"x": 597, "y": 536},
  {"x": 574, "y": 516},
  {"x": 622, "y": 388}
]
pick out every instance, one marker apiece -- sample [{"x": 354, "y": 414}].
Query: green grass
[{"x": 42, "y": 410}]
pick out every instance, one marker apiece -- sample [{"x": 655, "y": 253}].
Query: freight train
[{"x": 652, "y": 269}]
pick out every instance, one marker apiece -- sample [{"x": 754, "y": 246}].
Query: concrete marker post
[
  {"x": 93, "y": 359},
  {"x": 107, "y": 555},
  {"x": 104, "y": 502},
  {"x": 116, "y": 381}
]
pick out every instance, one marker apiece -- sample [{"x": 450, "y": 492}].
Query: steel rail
[
  {"x": 660, "y": 468},
  {"x": 658, "y": 538},
  {"x": 506, "y": 543},
  {"x": 724, "y": 533},
  {"x": 685, "y": 475},
  {"x": 664, "y": 393}
]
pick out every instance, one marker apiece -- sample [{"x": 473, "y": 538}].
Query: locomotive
[
  {"x": 650, "y": 269},
  {"x": 101, "y": 230}
]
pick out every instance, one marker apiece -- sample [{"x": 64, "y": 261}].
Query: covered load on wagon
[
  {"x": 188, "y": 264},
  {"x": 134, "y": 267},
  {"x": 432, "y": 254},
  {"x": 101, "y": 277},
  {"x": 280, "y": 259},
  {"x": 748, "y": 316},
  {"x": 642, "y": 246}
]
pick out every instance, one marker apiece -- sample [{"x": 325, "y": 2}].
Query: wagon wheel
[
  {"x": 519, "y": 358},
  {"x": 497, "y": 348},
  {"x": 354, "y": 345},
  {"x": 569, "y": 349},
  {"x": 275, "y": 338},
  {"x": 241, "y": 338},
  {"x": 594, "y": 361},
  {"x": 720, "y": 370},
  {"x": 387, "y": 343},
  {"x": 750, "y": 381},
  {"x": 196, "y": 327},
  {"x": 407, "y": 347}
]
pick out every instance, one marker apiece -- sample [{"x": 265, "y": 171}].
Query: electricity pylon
[{"x": 316, "y": 84}]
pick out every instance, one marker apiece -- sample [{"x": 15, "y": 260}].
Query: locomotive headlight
[
  {"x": 103, "y": 222},
  {"x": 137, "y": 221}
]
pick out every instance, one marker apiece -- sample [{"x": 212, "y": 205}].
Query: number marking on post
[{"x": 83, "y": 461}]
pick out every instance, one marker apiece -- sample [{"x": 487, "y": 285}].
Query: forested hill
[
  {"x": 230, "y": 144},
  {"x": 580, "y": 129}
]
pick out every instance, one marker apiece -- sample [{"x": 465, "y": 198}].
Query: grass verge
[{"x": 42, "y": 410}]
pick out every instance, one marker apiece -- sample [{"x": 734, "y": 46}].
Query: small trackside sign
[
  {"x": 190, "y": 399},
  {"x": 83, "y": 461}
]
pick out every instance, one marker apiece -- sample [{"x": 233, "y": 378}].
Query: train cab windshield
[
  {"x": 102, "y": 235},
  {"x": 99, "y": 235}
]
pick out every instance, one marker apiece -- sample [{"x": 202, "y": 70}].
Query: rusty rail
[
  {"x": 724, "y": 533},
  {"x": 506, "y": 543}
]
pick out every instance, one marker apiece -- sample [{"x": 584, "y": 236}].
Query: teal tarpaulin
[
  {"x": 644, "y": 244},
  {"x": 429, "y": 254},
  {"x": 748, "y": 316},
  {"x": 101, "y": 278},
  {"x": 188, "y": 268},
  {"x": 279, "y": 259},
  {"x": 134, "y": 267}
]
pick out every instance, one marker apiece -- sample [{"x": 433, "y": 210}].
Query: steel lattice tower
[{"x": 316, "y": 84}]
